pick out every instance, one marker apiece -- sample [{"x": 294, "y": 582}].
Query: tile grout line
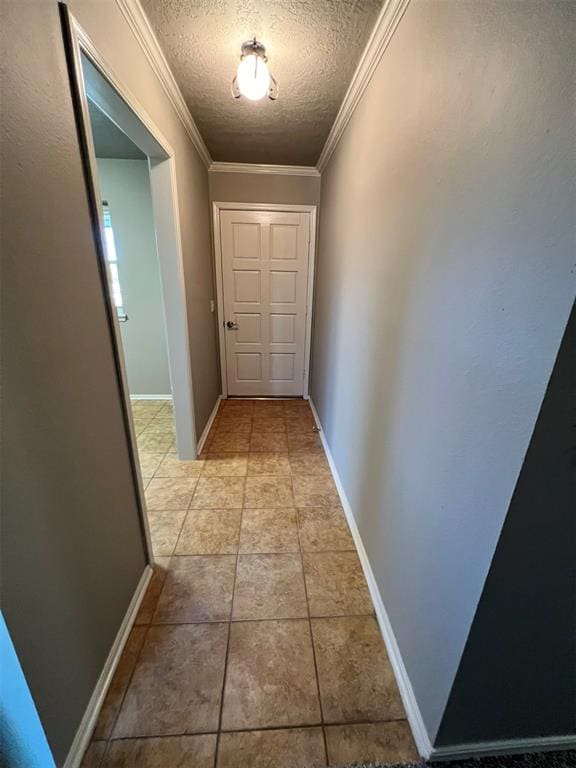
[
  {"x": 327, "y": 617},
  {"x": 109, "y": 738},
  {"x": 268, "y": 552},
  {"x": 188, "y": 508},
  {"x": 310, "y": 628},
  {"x": 311, "y": 631},
  {"x": 165, "y": 453},
  {"x": 294, "y": 726},
  {"x": 147, "y": 626},
  {"x": 317, "y": 676},
  {"x": 300, "y": 552},
  {"x": 225, "y": 672},
  {"x": 323, "y": 724}
]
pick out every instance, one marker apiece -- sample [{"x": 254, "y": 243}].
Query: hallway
[
  {"x": 257, "y": 632},
  {"x": 340, "y": 236}
]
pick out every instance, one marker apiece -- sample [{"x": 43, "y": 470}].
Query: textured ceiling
[
  {"x": 110, "y": 141},
  {"x": 313, "y": 47}
]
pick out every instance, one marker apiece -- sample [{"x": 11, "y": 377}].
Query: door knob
[{"x": 232, "y": 325}]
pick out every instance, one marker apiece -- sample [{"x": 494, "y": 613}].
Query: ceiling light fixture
[{"x": 253, "y": 79}]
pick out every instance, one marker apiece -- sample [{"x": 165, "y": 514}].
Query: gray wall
[
  {"x": 264, "y": 188},
  {"x": 108, "y": 30},
  {"x": 517, "y": 676},
  {"x": 125, "y": 185},
  {"x": 72, "y": 553},
  {"x": 444, "y": 283}
]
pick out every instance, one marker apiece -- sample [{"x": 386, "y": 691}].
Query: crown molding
[
  {"x": 384, "y": 29},
  {"x": 389, "y": 18},
  {"x": 283, "y": 170},
  {"x": 140, "y": 26}
]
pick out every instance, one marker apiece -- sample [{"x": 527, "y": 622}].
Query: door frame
[
  {"x": 162, "y": 168},
  {"x": 217, "y": 207},
  {"x": 166, "y": 212}
]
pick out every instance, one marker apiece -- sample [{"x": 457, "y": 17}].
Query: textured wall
[
  {"x": 264, "y": 188},
  {"x": 313, "y": 48},
  {"x": 107, "y": 28},
  {"x": 445, "y": 279},
  {"x": 522, "y": 643},
  {"x": 125, "y": 184},
  {"x": 72, "y": 552}
]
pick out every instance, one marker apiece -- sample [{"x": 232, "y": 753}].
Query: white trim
[
  {"x": 504, "y": 747},
  {"x": 124, "y": 93},
  {"x": 84, "y": 732},
  {"x": 144, "y": 34},
  {"x": 167, "y": 223},
  {"x": 209, "y": 423},
  {"x": 419, "y": 732},
  {"x": 309, "y": 303},
  {"x": 219, "y": 298},
  {"x": 311, "y": 210},
  {"x": 390, "y": 15},
  {"x": 164, "y": 189},
  {"x": 81, "y": 44},
  {"x": 382, "y": 33},
  {"x": 282, "y": 170},
  {"x": 150, "y": 397},
  {"x": 263, "y": 207}
]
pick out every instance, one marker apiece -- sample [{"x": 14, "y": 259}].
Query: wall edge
[{"x": 209, "y": 423}]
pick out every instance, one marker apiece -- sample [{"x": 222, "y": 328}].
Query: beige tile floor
[{"x": 256, "y": 644}]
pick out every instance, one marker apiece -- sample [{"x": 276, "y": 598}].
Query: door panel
[{"x": 265, "y": 283}]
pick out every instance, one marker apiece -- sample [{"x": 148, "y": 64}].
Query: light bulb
[{"x": 253, "y": 77}]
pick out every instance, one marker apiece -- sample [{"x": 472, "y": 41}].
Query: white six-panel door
[{"x": 265, "y": 291}]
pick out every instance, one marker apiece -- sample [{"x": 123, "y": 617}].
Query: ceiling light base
[{"x": 253, "y": 47}]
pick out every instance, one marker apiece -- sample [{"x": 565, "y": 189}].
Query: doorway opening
[
  {"x": 135, "y": 286},
  {"x": 130, "y": 173},
  {"x": 132, "y": 258}
]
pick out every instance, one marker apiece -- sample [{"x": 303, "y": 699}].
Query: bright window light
[{"x": 112, "y": 258}]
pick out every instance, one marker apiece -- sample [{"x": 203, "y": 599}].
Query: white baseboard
[
  {"x": 419, "y": 732},
  {"x": 84, "y": 732},
  {"x": 209, "y": 423},
  {"x": 504, "y": 747},
  {"x": 150, "y": 397}
]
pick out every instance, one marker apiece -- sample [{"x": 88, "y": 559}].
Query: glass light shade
[{"x": 253, "y": 77}]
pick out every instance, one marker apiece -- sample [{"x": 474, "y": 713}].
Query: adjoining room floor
[{"x": 256, "y": 644}]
